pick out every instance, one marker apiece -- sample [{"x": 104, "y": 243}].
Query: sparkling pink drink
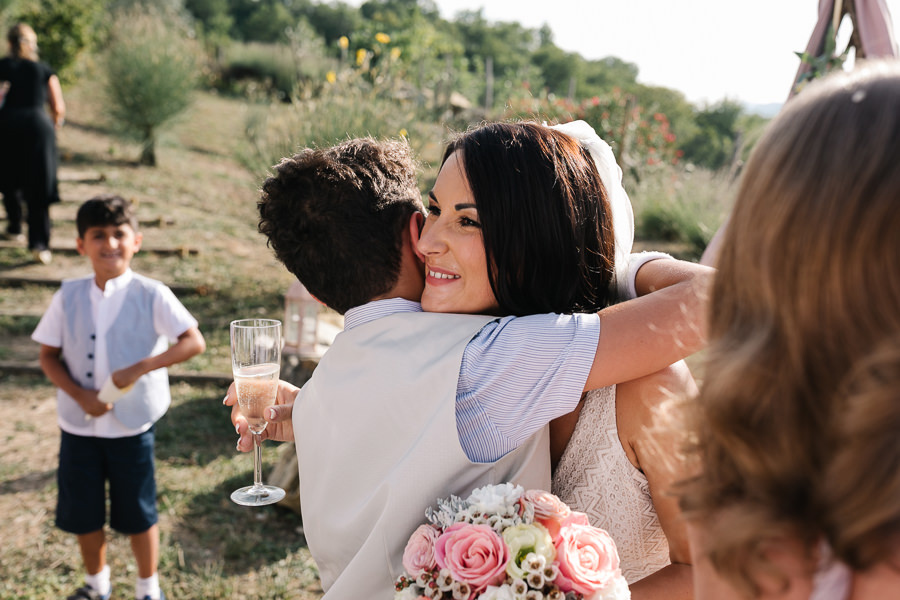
[{"x": 257, "y": 386}]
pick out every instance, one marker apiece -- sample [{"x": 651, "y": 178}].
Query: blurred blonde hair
[{"x": 808, "y": 285}]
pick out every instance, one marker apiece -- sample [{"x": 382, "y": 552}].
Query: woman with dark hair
[
  {"x": 797, "y": 426},
  {"x": 28, "y": 158},
  {"x": 453, "y": 400},
  {"x": 526, "y": 219}
]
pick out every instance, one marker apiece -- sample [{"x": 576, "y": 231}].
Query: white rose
[{"x": 527, "y": 544}]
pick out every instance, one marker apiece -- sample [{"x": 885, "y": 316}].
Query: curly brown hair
[
  {"x": 335, "y": 217},
  {"x": 807, "y": 287}
]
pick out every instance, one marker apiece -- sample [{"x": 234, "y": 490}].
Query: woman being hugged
[
  {"x": 28, "y": 157},
  {"x": 798, "y": 419},
  {"x": 525, "y": 220}
]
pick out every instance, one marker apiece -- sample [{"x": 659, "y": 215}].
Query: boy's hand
[
  {"x": 127, "y": 376},
  {"x": 92, "y": 405},
  {"x": 280, "y": 426}
]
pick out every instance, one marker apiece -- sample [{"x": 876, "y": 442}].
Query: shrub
[
  {"x": 681, "y": 205},
  {"x": 276, "y": 69},
  {"x": 641, "y": 140},
  {"x": 151, "y": 73},
  {"x": 357, "y": 101}
]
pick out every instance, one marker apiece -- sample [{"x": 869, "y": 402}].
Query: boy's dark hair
[
  {"x": 335, "y": 217},
  {"x": 103, "y": 210}
]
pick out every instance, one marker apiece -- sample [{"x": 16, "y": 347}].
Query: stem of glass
[{"x": 258, "y": 487}]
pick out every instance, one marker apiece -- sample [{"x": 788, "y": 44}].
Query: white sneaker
[{"x": 42, "y": 256}]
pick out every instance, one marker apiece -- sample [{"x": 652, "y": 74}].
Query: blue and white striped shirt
[{"x": 517, "y": 374}]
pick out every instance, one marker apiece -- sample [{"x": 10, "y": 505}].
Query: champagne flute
[{"x": 256, "y": 363}]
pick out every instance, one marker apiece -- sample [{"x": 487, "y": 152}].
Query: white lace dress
[{"x": 594, "y": 476}]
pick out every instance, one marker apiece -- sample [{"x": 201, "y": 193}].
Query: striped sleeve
[{"x": 517, "y": 375}]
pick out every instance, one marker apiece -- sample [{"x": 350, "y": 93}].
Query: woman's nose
[{"x": 430, "y": 240}]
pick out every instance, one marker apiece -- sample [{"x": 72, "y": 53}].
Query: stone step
[
  {"x": 182, "y": 251},
  {"x": 34, "y": 368},
  {"x": 7, "y": 280}
]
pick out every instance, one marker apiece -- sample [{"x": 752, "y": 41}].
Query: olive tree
[{"x": 152, "y": 67}]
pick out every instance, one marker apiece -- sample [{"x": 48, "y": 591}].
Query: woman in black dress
[{"x": 28, "y": 139}]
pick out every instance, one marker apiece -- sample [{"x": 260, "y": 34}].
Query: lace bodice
[{"x": 594, "y": 476}]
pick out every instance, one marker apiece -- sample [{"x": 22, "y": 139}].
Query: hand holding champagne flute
[{"x": 256, "y": 363}]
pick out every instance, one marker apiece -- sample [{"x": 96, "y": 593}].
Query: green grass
[{"x": 210, "y": 547}]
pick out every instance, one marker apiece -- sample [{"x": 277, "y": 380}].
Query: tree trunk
[{"x": 148, "y": 151}]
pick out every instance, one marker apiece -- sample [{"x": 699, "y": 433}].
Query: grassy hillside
[
  {"x": 198, "y": 216},
  {"x": 197, "y": 211}
]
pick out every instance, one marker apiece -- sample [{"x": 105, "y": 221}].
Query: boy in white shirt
[{"x": 105, "y": 345}]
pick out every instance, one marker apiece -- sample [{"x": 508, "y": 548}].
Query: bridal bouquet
[{"x": 503, "y": 543}]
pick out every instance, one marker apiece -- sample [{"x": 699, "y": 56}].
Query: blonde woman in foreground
[{"x": 798, "y": 420}]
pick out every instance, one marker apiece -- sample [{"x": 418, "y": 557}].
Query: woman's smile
[
  {"x": 438, "y": 275},
  {"x": 452, "y": 246}
]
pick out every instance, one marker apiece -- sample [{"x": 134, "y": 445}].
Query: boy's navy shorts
[{"x": 86, "y": 464}]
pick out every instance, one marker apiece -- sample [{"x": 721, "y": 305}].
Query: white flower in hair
[{"x": 620, "y": 204}]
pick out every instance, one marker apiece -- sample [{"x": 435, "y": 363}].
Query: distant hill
[{"x": 764, "y": 110}]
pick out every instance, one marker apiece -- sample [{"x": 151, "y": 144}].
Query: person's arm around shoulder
[
  {"x": 665, "y": 324},
  {"x": 189, "y": 344},
  {"x": 56, "y": 371},
  {"x": 57, "y": 104}
]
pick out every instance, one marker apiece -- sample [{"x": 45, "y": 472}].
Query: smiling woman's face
[{"x": 456, "y": 277}]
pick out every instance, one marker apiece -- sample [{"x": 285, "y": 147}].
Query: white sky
[{"x": 707, "y": 49}]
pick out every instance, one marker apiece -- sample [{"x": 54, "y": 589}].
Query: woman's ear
[{"x": 416, "y": 222}]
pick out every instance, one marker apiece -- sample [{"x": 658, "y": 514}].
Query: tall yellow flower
[
  {"x": 331, "y": 76},
  {"x": 382, "y": 38},
  {"x": 343, "y": 42},
  {"x": 360, "y": 56},
  {"x": 395, "y": 53}
]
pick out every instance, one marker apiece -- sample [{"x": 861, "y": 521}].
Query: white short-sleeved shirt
[{"x": 170, "y": 319}]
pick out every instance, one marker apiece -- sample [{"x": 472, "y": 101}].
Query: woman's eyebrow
[{"x": 461, "y": 206}]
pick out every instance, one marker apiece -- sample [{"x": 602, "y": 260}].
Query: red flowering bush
[{"x": 639, "y": 139}]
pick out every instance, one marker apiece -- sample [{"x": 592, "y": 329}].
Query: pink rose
[
  {"x": 576, "y": 518},
  {"x": 419, "y": 553},
  {"x": 474, "y": 554},
  {"x": 549, "y": 510},
  {"x": 588, "y": 560}
]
